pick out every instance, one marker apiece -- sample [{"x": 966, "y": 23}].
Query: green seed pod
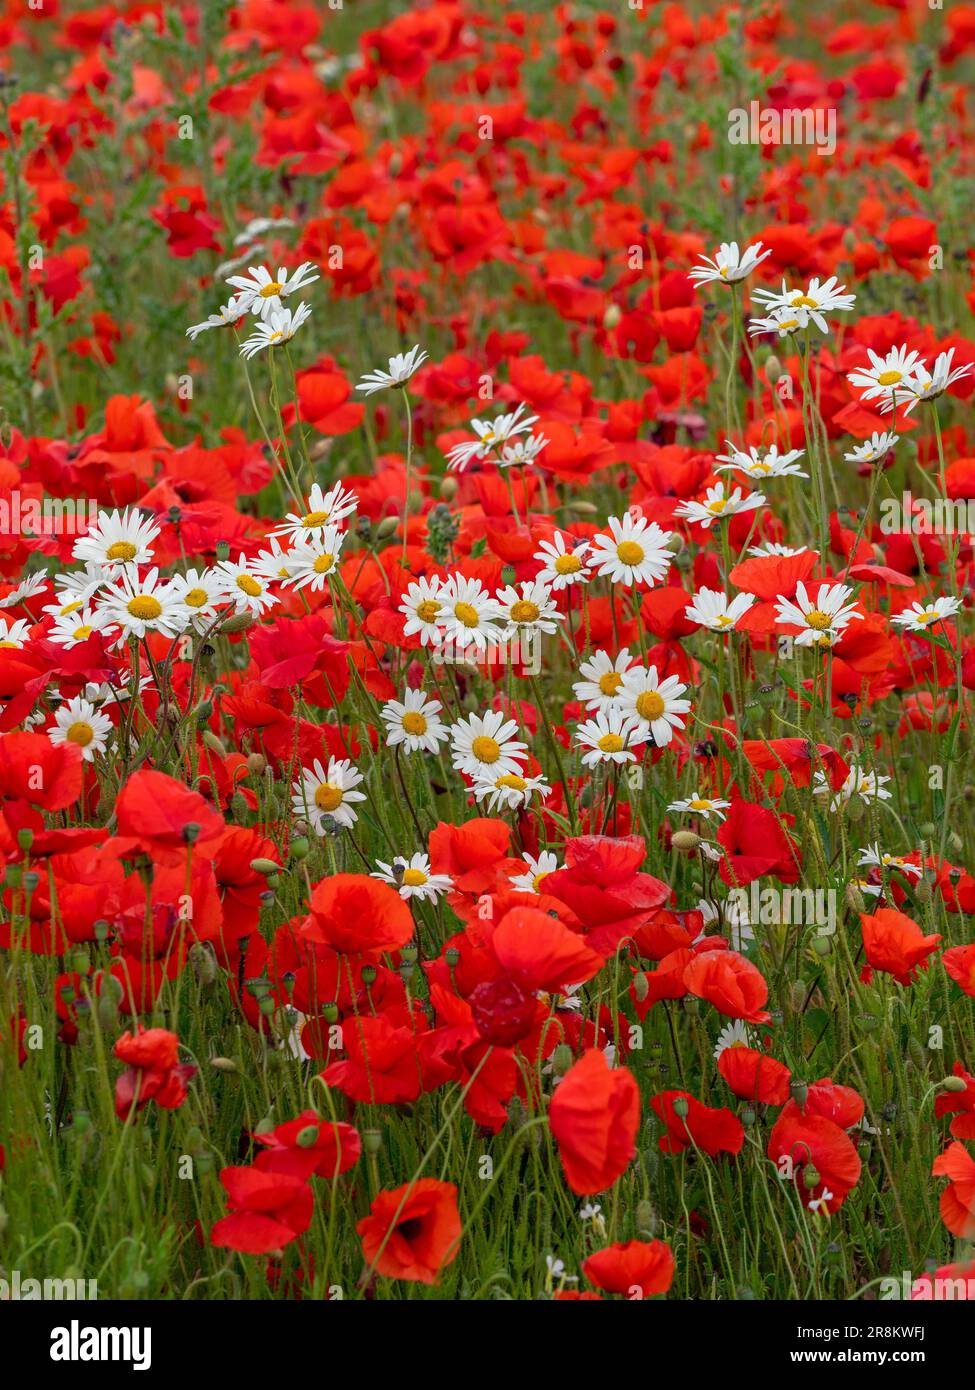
[
  {"x": 645, "y": 1220},
  {"x": 562, "y": 1059},
  {"x": 641, "y": 986},
  {"x": 810, "y": 1177},
  {"x": 300, "y": 848},
  {"x": 748, "y": 1117},
  {"x": 264, "y": 866},
  {"x": 372, "y": 1140},
  {"x": 307, "y": 1138},
  {"x": 799, "y": 1091},
  {"x": 681, "y": 1107},
  {"x": 685, "y": 841}
]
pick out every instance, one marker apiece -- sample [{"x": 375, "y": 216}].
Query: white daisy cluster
[
  {"x": 506, "y": 439},
  {"x": 262, "y": 294},
  {"x": 901, "y": 378}
]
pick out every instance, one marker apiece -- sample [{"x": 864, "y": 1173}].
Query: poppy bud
[
  {"x": 562, "y": 1059},
  {"x": 308, "y": 1137},
  {"x": 448, "y": 487},
  {"x": 80, "y": 961},
  {"x": 582, "y": 508},
  {"x": 387, "y": 527},
  {"x": 797, "y": 995},
  {"x": 264, "y": 866},
  {"x": 953, "y": 1083},
  {"x": 928, "y": 830},
  {"x": 675, "y": 542},
  {"x": 641, "y": 986},
  {"x": 299, "y": 849},
  {"x": 821, "y": 945},
  {"x": 685, "y": 841},
  {"x": 13, "y": 875},
  {"x": 773, "y": 369},
  {"x": 203, "y": 962},
  {"x": 223, "y": 1064},
  {"x": 256, "y": 762},
  {"x": 239, "y": 808},
  {"x": 107, "y": 1011},
  {"x": 645, "y": 1220},
  {"x": 856, "y": 807},
  {"x": 612, "y": 317},
  {"x": 25, "y": 838},
  {"x": 810, "y": 1177},
  {"x": 240, "y": 622},
  {"x": 212, "y": 741},
  {"x": 854, "y": 898}
]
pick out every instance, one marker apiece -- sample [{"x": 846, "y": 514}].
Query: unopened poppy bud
[
  {"x": 582, "y": 508},
  {"x": 641, "y": 986},
  {"x": 856, "y": 807},
  {"x": 307, "y": 1138},
  {"x": 191, "y": 832},
  {"x": 917, "y": 1053},
  {"x": 953, "y": 1083},
  {"x": 562, "y": 1059},
  {"x": 256, "y": 762},
  {"x": 797, "y": 995},
  {"x": 387, "y": 527},
  {"x": 448, "y": 487},
  {"x": 13, "y": 875},
  {"x": 223, "y": 1064},
  {"x": 264, "y": 866},
  {"x": 821, "y": 945},
  {"x": 612, "y": 317},
  {"x": 773, "y": 369},
  {"x": 25, "y": 838},
  {"x": 203, "y": 962},
  {"x": 645, "y": 1219},
  {"x": 681, "y": 1107},
  {"x": 675, "y": 542},
  {"x": 240, "y": 622},
  {"x": 107, "y": 1011},
  {"x": 799, "y": 1091},
  {"x": 300, "y": 848},
  {"x": 239, "y": 807},
  {"x": 810, "y": 1177},
  {"x": 372, "y": 1141},
  {"x": 685, "y": 841},
  {"x": 212, "y": 741},
  {"x": 923, "y": 892},
  {"x": 854, "y": 898},
  {"x": 369, "y": 973},
  {"x": 928, "y": 830}
]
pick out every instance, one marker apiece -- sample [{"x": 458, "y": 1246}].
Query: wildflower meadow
[{"x": 487, "y": 810}]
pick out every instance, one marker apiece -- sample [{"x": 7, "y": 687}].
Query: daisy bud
[
  {"x": 562, "y": 1059},
  {"x": 685, "y": 841},
  {"x": 641, "y": 987},
  {"x": 612, "y": 317},
  {"x": 953, "y": 1083},
  {"x": 212, "y": 741},
  {"x": 264, "y": 866},
  {"x": 307, "y": 1138},
  {"x": 223, "y": 1064}
]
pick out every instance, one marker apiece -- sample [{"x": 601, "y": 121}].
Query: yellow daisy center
[
  {"x": 16, "y": 646},
  {"x": 819, "y": 620},
  {"x": 610, "y": 743},
  {"x": 81, "y": 634},
  {"x": 610, "y": 683},
  {"x": 413, "y": 722},
  {"x": 323, "y": 563},
  {"x": 568, "y": 564},
  {"x": 650, "y": 705},
  {"x": 629, "y": 553},
  {"x": 485, "y": 749},
  {"x": 80, "y": 733},
  {"x": 718, "y": 506},
  {"x": 270, "y": 290},
  {"x": 805, "y": 301},
  {"x": 890, "y": 378},
  {"x": 699, "y": 804},
  {"x": 70, "y": 608},
  {"x": 413, "y": 878},
  {"x": 466, "y": 613},
  {"x": 512, "y": 780},
  {"x": 524, "y": 611},
  {"x": 248, "y": 585},
  {"x": 930, "y": 615},
  {"x": 196, "y": 598},
  {"x": 315, "y": 519},
  {"x": 121, "y": 550},
  {"x": 427, "y": 610},
  {"x": 327, "y": 797},
  {"x": 144, "y": 607}
]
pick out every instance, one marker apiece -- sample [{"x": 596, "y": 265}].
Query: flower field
[{"x": 487, "y": 498}]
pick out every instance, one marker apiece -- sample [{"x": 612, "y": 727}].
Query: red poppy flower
[
  {"x": 157, "y": 812},
  {"x": 960, "y": 1104},
  {"x": 381, "y": 1066},
  {"x": 356, "y": 915},
  {"x": 637, "y": 1268},
  {"x": 602, "y": 884},
  {"x": 713, "y": 1131},
  {"x": 755, "y": 844},
  {"x": 309, "y": 1145},
  {"x": 412, "y": 1232},
  {"x": 894, "y": 944},
  {"x": 754, "y": 1076},
  {"x": 539, "y": 953},
  {"x": 958, "y": 1198},
  {"x": 34, "y": 769},
  {"x": 153, "y": 1071},
  {"x": 593, "y": 1115},
  {"x": 959, "y": 962},
  {"x": 731, "y": 983},
  {"x": 798, "y": 1142},
  {"x": 269, "y": 1210}
]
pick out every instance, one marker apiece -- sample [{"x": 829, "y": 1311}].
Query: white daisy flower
[
  {"x": 634, "y": 552},
  {"x": 142, "y": 605},
  {"x": 928, "y": 386},
  {"x": 729, "y": 264},
  {"x": 272, "y": 562},
  {"x": 892, "y": 374},
  {"x": 324, "y": 509},
  {"x": 261, "y": 293},
  {"x": 15, "y": 634},
  {"x": 822, "y": 620},
  {"x": 874, "y": 857},
  {"x": 711, "y": 609},
  {"x": 781, "y": 322},
  {"x": 719, "y": 505},
  {"x": 79, "y": 722},
  {"x": 27, "y": 588},
  {"x": 280, "y": 327},
  {"x": 492, "y": 435},
  {"x": 248, "y": 592},
  {"x": 537, "y": 871},
  {"x": 523, "y": 452},
  {"x": 319, "y": 793},
  {"x": 470, "y": 616},
  {"x": 868, "y": 786},
  {"x": 531, "y": 610},
  {"x": 611, "y": 736},
  {"x": 227, "y": 315},
  {"x": 202, "y": 593},
  {"x": 510, "y": 790},
  {"x": 401, "y": 368},
  {"x": 734, "y": 1034},
  {"x": 412, "y": 878},
  {"x": 77, "y": 626},
  {"x": 485, "y": 745},
  {"x": 311, "y": 562},
  {"x": 704, "y": 806},
  {"x": 561, "y": 566},
  {"x": 116, "y": 539},
  {"x": 762, "y": 463},
  {"x": 920, "y": 617},
  {"x": 414, "y": 722},
  {"x": 655, "y": 703},
  {"x": 424, "y": 604},
  {"x": 816, "y": 300},
  {"x": 603, "y": 676},
  {"x": 770, "y": 548},
  {"x": 878, "y": 446}
]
